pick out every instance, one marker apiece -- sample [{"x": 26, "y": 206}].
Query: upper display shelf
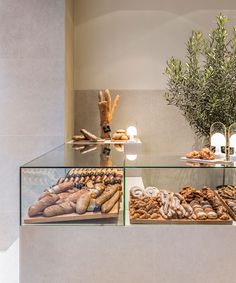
[{"x": 100, "y": 155}]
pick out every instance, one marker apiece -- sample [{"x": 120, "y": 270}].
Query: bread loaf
[
  {"x": 83, "y": 202},
  {"x": 108, "y": 205},
  {"x": 59, "y": 209},
  {"x": 42, "y": 203},
  {"x": 106, "y": 195}
]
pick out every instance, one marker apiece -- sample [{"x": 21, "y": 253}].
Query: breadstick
[
  {"x": 115, "y": 103},
  {"x": 100, "y": 96},
  {"x": 107, "y": 96}
]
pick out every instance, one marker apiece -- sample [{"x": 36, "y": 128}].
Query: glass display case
[{"x": 102, "y": 185}]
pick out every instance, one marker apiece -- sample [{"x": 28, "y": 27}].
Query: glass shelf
[
  {"x": 69, "y": 155},
  {"x": 99, "y": 155}
]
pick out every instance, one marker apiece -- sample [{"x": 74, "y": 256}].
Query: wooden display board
[
  {"x": 182, "y": 221},
  {"x": 229, "y": 209},
  {"x": 74, "y": 216}
]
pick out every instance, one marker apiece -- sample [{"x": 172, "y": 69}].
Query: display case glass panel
[{"x": 115, "y": 190}]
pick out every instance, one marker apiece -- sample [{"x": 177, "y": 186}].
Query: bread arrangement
[
  {"x": 205, "y": 154},
  {"x": 80, "y": 192},
  {"x": 227, "y": 195},
  {"x": 120, "y": 135},
  {"x": 151, "y": 205},
  {"x": 106, "y": 111}
]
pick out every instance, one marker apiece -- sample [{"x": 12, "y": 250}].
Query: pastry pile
[
  {"x": 190, "y": 203},
  {"x": 228, "y": 194},
  {"x": 205, "y": 154},
  {"x": 81, "y": 191},
  {"x": 120, "y": 135}
]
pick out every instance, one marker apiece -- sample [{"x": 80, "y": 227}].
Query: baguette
[
  {"x": 42, "y": 203},
  {"x": 83, "y": 202},
  {"x": 106, "y": 195},
  {"x": 89, "y": 135},
  {"x": 59, "y": 209},
  {"x": 78, "y": 138},
  {"x": 75, "y": 196},
  {"x": 97, "y": 190},
  {"x": 108, "y": 205},
  {"x": 62, "y": 187}
]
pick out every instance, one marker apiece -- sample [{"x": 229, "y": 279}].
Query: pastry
[
  {"x": 205, "y": 154},
  {"x": 151, "y": 192},
  {"x": 124, "y": 138},
  {"x": 120, "y": 135},
  {"x": 117, "y": 136},
  {"x": 121, "y": 131},
  {"x": 137, "y": 191}
]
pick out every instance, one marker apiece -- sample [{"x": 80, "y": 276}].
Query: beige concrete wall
[
  {"x": 31, "y": 94},
  {"x": 162, "y": 128},
  {"x": 125, "y": 44}
]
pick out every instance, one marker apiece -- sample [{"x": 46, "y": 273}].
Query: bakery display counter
[{"x": 104, "y": 186}]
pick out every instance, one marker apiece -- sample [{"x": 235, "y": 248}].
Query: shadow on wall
[{"x": 161, "y": 127}]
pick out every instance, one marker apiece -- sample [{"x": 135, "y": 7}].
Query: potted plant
[{"x": 204, "y": 87}]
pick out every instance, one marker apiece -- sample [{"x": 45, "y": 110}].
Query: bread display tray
[
  {"x": 74, "y": 216},
  {"x": 181, "y": 221},
  {"x": 230, "y": 211},
  {"x": 197, "y": 160}
]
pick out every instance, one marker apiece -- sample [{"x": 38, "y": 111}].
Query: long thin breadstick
[
  {"x": 114, "y": 106},
  {"x": 100, "y": 96},
  {"x": 107, "y": 96},
  {"x": 103, "y": 112}
]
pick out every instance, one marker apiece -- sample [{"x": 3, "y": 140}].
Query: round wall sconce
[{"x": 218, "y": 139}]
